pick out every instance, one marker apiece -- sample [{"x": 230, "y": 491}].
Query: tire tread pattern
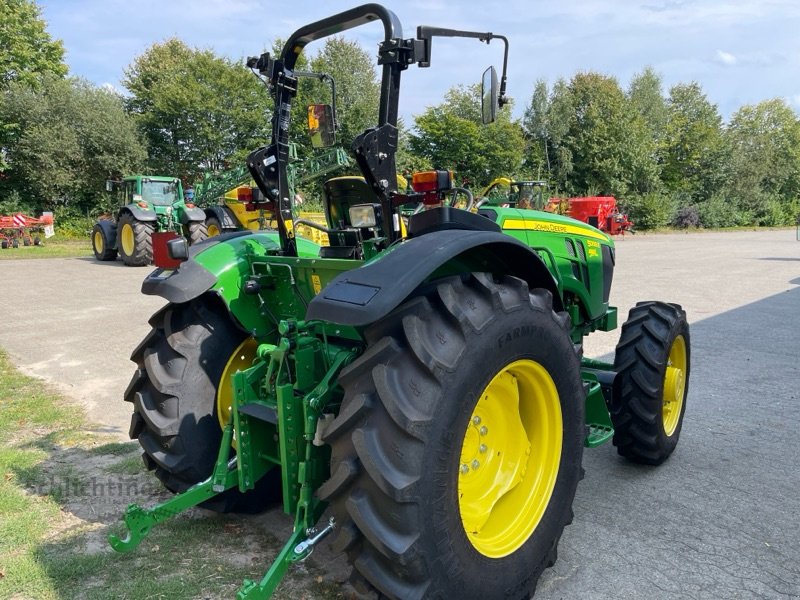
[
  {"x": 640, "y": 361},
  {"x": 378, "y": 436}
]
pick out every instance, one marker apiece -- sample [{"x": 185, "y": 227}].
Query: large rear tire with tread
[
  {"x": 197, "y": 232},
  {"x": 653, "y": 363},
  {"x": 471, "y": 383},
  {"x": 101, "y": 245},
  {"x": 179, "y": 366},
  {"x": 134, "y": 240}
]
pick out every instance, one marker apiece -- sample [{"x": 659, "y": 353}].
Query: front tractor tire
[
  {"x": 457, "y": 449},
  {"x": 653, "y": 362},
  {"x": 101, "y": 245},
  {"x": 191, "y": 352},
  {"x": 134, "y": 240}
]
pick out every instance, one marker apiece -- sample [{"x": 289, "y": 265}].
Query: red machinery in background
[
  {"x": 598, "y": 211},
  {"x": 19, "y": 227}
]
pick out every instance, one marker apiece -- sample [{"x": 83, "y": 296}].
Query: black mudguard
[
  {"x": 191, "y": 278},
  {"x": 192, "y": 215},
  {"x": 224, "y": 215},
  {"x": 189, "y": 282},
  {"x": 139, "y": 214},
  {"x": 364, "y": 295}
]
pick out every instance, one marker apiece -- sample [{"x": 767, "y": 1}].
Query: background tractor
[
  {"x": 425, "y": 385},
  {"x": 148, "y": 204}
]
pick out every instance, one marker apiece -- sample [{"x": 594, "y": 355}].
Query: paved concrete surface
[{"x": 721, "y": 519}]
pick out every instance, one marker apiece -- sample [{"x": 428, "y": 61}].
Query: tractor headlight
[{"x": 364, "y": 215}]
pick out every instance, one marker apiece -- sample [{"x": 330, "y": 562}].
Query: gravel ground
[{"x": 718, "y": 520}]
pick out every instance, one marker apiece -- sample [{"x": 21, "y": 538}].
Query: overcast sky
[{"x": 740, "y": 51}]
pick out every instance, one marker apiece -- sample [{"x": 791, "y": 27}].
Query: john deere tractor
[
  {"x": 415, "y": 392},
  {"x": 148, "y": 204}
]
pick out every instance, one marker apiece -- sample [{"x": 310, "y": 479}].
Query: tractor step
[
  {"x": 597, "y": 434},
  {"x": 262, "y": 412}
]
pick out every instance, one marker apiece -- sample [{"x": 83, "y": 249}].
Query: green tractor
[
  {"x": 420, "y": 383},
  {"x": 148, "y": 204}
]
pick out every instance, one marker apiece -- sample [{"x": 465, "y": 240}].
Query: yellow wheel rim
[
  {"x": 509, "y": 458},
  {"x": 674, "y": 385},
  {"x": 99, "y": 245},
  {"x": 128, "y": 239},
  {"x": 212, "y": 229},
  {"x": 241, "y": 359}
]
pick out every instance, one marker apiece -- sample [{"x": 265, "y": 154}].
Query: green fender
[{"x": 219, "y": 265}]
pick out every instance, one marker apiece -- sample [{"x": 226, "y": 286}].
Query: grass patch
[
  {"x": 64, "y": 488},
  {"x": 127, "y": 466},
  {"x": 52, "y": 248}
]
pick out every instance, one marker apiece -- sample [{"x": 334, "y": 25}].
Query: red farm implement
[
  {"x": 598, "y": 211},
  {"x": 19, "y": 228}
]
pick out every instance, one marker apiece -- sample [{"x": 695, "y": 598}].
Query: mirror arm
[{"x": 426, "y": 33}]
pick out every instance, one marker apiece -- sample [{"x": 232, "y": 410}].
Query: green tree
[
  {"x": 764, "y": 167},
  {"x": 693, "y": 152},
  {"x": 26, "y": 49},
  {"x": 536, "y": 123},
  {"x": 357, "y": 86},
  {"x": 198, "y": 111},
  {"x": 646, "y": 98},
  {"x": 67, "y": 138},
  {"x": 601, "y": 145},
  {"x": 451, "y": 136}
]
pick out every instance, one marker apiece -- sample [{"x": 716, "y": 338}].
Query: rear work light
[
  {"x": 432, "y": 184},
  {"x": 364, "y": 215}
]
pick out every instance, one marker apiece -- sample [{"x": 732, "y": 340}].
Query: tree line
[{"x": 668, "y": 157}]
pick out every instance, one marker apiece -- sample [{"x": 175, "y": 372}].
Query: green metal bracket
[
  {"x": 303, "y": 462},
  {"x": 140, "y": 520},
  {"x": 598, "y": 419}
]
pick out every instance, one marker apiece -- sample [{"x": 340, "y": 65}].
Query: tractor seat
[{"x": 340, "y": 193}]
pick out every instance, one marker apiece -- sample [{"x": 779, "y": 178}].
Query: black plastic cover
[
  {"x": 364, "y": 295},
  {"x": 446, "y": 217},
  {"x": 188, "y": 282}
]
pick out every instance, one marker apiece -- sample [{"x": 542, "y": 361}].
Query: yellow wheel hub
[
  {"x": 99, "y": 244},
  {"x": 509, "y": 458},
  {"x": 241, "y": 359},
  {"x": 128, "y": 239},
  {"x": 213, "y": 230},
  {"x": 674, "y": 385}
]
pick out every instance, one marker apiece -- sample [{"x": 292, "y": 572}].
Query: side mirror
[
  {"x": 321, "y": 125},
  {"x": 489, "y": 96}
]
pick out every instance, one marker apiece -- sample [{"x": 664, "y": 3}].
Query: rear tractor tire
[
  {"x": 197, "y": 232},
  {"x": 134, "y": 242},
  {"x": 101, "y": 245},
  {"x": 653, "y": 362},
  {"x": 190, "y": 354},
  {"x": 457, "y": 450}
]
